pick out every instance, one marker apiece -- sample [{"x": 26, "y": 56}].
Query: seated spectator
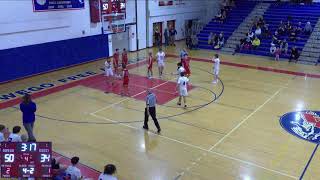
[
  {"x": 2, "y": 129},
  {"x": 293, "y": 35},
  {"x": 108, "y": 173},
  {"x": 220, "y": 41},
  {"x": 239, "y": 46},
  {"x": 251, "y": 35},
  {"x": 277, "y": 54},
  {"x": 14, "y": 136},
  {"x": 255, "y": 21},
  {"x": 281, "y": 28},
  {"x": 288, "y": 27},
  {"x": 256, "y": 43},
  {"x": 294, "y": 54},
  {"x": 58, "y": 172},
  {"x": 275, "y": 39},
  {"x": 308, "y": 28},
  {"x": 215, "y": 40},
  {"x": 266, "y": 32},
  {"x": 232, "y": 4},
  {"x": 299, "y": 28},
  {"x": 284, "y": 46},
  {"x": 258, "y": 31},
  {"x": 273, "y": 49},
  {"x": 248, "y": 42},
  {"x": 24, "y": 138},
  {"x": 261, "y": 22},
  {"x": 210, "y": 39},
  {"x": 72, "y": 171}
]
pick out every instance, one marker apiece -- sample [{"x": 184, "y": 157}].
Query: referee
[{"x": 150, "y": 110}]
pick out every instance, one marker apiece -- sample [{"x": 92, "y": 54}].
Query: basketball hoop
[{"x": 113, "y": 23}]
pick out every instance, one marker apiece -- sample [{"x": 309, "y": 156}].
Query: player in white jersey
[
  {"x": 160, "y": 58},
  {"x": 182, "y": 84},
  {"x": 108, "y": 72},
  {"x": 180, "y": 69},
  {"x": 108, "y": 68},
  {"x": 216, "y": 68},
  {"x": 14, "y": 136}
]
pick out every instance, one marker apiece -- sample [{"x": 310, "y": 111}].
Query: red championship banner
[{"x": 94, "y": 11}]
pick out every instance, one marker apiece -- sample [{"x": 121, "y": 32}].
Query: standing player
[
  {"x": 182, "y": 84},
  {"x": 108, "y": 72},
  {"x": 116, "y": 62},
  {"x": 216, "y": 68},
  {"x": 125, "y": 76},
  {"x": 150, "y": 63},
  {"x": 160, "y": 58},
  {"x": 124, "y": 57},
  {"x": 186, "y": 65},
  {"x": 180, "y": 70}
]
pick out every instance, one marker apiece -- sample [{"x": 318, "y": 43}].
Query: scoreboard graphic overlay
[{"x": 25, "y": 159}]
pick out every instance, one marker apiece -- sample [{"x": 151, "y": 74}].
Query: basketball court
[{"x": 230, "y": 130}]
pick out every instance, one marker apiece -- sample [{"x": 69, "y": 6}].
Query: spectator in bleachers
[
  {"x": 256, "y": 43},
  {"x": 299, "y": 28},
  {"x": 220, "y": 41},
  {"x": 28, "y": 109},
  {"x": 248, "y": 42},
  {"x": 272, "y": 49},
  {"x": 58, "y": 171},
  {"x": 108, "y": 173},
  {"x": 293, "y": 35},
  {"x": 210, "y": 38},
  {"x": 24, "y": 138},
  {"x": 281, "y": 28},
  {"x": 261, "y": 22},
  {"x": 72, "y": 171},
  {"x": 265, "y": 31},
  {"x": 294, "y": 54},
  {"x": 275, "y": 38},
  {"x": 239, "y": 46},
  {"x": 255, "y": 21},
  {"x": 189, "y": 42},
  {"x": 284, "y": 46},
  {"x": 277, "y": 54},
  {"x": 14, "y": 136},
  {"x": 258, "y": 31},
  {"x": 288, "y": 27},
  {"x": 308, "y": 28},
  {"x": 2, "y": 128},
  {"x": 251, "y": 35}
]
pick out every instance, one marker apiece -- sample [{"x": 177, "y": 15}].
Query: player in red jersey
[
  {"x": 150, "y": 63},
  {"x": 125, "y": 76},
  {"x": 116, "y": 62},
  {"x": 186, "y": 65},
  {"x": 124, "y": 57}
]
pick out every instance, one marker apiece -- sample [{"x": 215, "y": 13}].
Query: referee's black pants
[{"x": 152, "y": 113}]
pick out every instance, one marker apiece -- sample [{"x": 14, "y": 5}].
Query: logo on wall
[{"x": 303, "y": 124}]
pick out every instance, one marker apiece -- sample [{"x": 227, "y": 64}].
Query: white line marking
[
  {"x": 245, "y": 119},
  {"x": 199, "y": 148},
  {"x": 106, "y": 107}
]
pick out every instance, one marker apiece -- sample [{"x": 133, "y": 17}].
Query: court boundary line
[
  {"x": 199, "y": 148},
  {"x": 261, "y": 68},
  {"x": 308, "y": 163},
  {"x": 248, "y": 117}
]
